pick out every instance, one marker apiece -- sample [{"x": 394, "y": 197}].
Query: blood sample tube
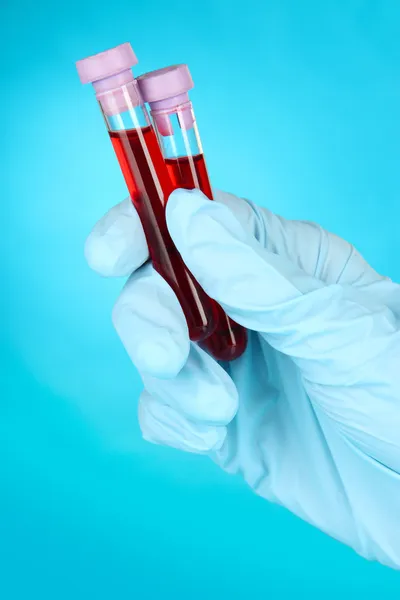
[
  {"x": 166, "y": 91},
  {"x": 149, "y": 184}
]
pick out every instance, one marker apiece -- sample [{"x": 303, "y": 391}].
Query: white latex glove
[{"x": 310, "y": 414}]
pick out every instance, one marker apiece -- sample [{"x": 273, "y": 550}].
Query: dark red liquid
[
  {"x": 149, "y": 186},
  {"x": 229, "y": 341},
  {"x": 189, "y": 172}
]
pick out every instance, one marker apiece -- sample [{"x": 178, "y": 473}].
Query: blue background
[{"x": 298, "y": 104}]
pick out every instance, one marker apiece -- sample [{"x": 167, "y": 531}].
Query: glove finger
[
  {"x": 149, "y": 320},
  {"x": 116, "y": 246},
  {"x": 202, "y": 391},
  {"x": 162, "y": 424},
  {"x": 269, "y": 294}
]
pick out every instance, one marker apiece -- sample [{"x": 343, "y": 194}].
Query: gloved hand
[{"x": 310, "y": 414}]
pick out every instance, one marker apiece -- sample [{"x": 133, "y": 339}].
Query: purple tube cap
[
  {"x": 107, "y": 63},
  {"x": 165, "y": 83}
]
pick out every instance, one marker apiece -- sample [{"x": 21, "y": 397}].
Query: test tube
[
  {"x": 146, "y": 176},
  {"x": 166, "y": 91}
]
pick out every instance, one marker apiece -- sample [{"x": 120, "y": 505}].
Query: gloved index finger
[
  {"x": 117, "y": 246},
  {"x": 228, "y": 262},
  {"x": 296, "y": 313}
]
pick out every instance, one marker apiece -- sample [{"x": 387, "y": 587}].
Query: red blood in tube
[
  {"x": 189, "y": 172},
  {"x": 230, "y": 339},
  {"x": 149, "y": 185}
]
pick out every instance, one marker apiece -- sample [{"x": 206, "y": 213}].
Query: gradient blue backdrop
[{"x": 298, "y": 105}]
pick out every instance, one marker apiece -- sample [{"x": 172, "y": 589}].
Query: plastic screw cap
[
  {"x": 165, "y": 83},
  {"x": 107, "y": 63}
]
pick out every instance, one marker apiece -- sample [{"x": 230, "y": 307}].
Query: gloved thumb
[{"x": 331, "y": 331}]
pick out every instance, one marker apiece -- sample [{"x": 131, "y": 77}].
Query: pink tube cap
[
  {"x": 165, "y": 83},
  {"x": 106, "y": 64}
]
